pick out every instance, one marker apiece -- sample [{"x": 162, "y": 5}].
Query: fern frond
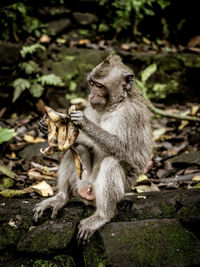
[
  {"x": 19, "y": 85},
  {"x": 36, "y": 89},
  {"x": 50, "y": 79},
  {"x": 31, "y": 49},
  {"x": 29, "y": 67}
]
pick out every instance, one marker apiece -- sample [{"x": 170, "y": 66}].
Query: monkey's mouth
[{"x": 97, "y": 102}]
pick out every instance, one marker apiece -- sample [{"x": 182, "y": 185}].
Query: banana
[
  {"x": 61, "y": 135},
  {"x": 78, "y": 164},
  {"x": 55, "y": 116}
]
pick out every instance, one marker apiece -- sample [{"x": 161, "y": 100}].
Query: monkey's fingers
[
  {"x": 77, "y": 117},
  {"x": 84, "y": 234},
  {"x": 38, "y": 212},
  {"x": 43, "y": 127}
]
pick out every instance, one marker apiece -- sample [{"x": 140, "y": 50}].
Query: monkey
[{"x": 114, "y": 144}]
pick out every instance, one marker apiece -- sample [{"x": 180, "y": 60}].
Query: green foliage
[
  {"x": 20, "y": 85},
  {"x": 50, "y": 79},
  {"x": 145, "y": 74},
  {"x": 29, "y": 67},
  {"x": 31, "y": 49},
  {"x": 34, "y": 81},
  {"x": 131, "y": 12},
  {"x": 6, "y": 134},
  {"x": 36, "y": 89},
  {"x": 16, "y": 22},
  {"x": 158, "y": 90}
]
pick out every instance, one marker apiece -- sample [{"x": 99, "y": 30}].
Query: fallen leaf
[
  {"x": 44, "y": 39},
  {"x": 158, "y": 133},
  {"x": 12, "y": 223},
  {"x": 83, "y": 41},
  {"x": 146, "y": 188},
  {"x": 194, "y": 110},
  {"x": 30, "y": 139},
  {"x": 6, "y": 171},
  {"x": 195, "y": 41},
  {"x": 43, "y": 189},
  {"x": 36, "y": 174},
  {"x": 6, "y": 183},
  {"x": 141, "y": 178},
  {"x": 183, "y": 124},
  {"x": 196, "y": 178},
  {"x": 9, "y": 193}
]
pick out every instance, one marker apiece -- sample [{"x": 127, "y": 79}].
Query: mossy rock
[{"x": 149, "y": 243}]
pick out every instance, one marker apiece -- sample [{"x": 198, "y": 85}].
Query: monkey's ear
[{"x": 129, "y": 79}]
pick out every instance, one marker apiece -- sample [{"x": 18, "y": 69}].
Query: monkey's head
[{"x": 109, "y": 83}]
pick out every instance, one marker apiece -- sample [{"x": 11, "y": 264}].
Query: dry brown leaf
[
  {"x": 30, "y": 139},
  {"x": 44, "y": 39},
  {"x": 194, "y": 110},
  {"x": 196, "y": 178},
  {"x": 84, "y": 41},
  {"x": 183, "y": 124},
  {"x": 43, "y": 188},
  {"x": 141, "y": 178},
  {"x": 36, "y": 174},
  {"x": 195, "y": 41}
]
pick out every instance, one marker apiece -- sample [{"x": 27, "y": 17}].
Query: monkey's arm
[{"x": 110, "y": 143}]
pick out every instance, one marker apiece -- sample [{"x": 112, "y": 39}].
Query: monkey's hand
[
  {"x": 78, "y": 118},
  {"x": 55, "y": 203},
  {"x": 43, "y": 127}
]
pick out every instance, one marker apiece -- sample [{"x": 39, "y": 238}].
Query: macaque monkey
[{"x": 114, "y": 144}]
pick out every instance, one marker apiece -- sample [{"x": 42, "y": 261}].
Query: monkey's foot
[
  {"x": 88, "y": 226},
  {"x": 85, "y": 232},
  {"x": 55, "y": 203}
]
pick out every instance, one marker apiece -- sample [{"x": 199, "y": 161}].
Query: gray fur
[{"x": 114, "y": 144}]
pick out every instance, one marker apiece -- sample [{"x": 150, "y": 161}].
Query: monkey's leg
[
  {"x": 67, "y": 185},
  {"x": 109, "y": 188}
]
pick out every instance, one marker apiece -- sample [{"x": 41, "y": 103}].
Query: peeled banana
[{"x": 61, "y": 135}]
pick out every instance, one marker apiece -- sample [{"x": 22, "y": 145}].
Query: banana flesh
[{"x": 61, "y": 135}]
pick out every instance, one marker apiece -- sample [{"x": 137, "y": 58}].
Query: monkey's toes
[{"x": 84, "y": 234}]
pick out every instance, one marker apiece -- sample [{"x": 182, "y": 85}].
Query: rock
[
  {"x": 146, "y": 243},
  {"x": 57, "y": 26},
  {"x": 186, "y": 158},
  {"x": 161, "y": 229},
  {"x": 84, "y": 18}
]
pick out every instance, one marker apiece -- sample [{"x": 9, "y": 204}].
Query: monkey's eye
[
  {"x": 99, "y": 85},
  {"x": 91, "y": 82}
]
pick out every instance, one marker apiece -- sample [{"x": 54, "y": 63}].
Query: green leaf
[
  {"x": 31, "y": 49},
  {"x": 140, "y": 85},
  {"x": 146, "y": 73},
  {"x": 29, "y": 67},
  {"x": 4, "y": 169},
  {"x": 50, "y": 79},
  {"x": 9, "y": 193},
  {"x": 20, "y": 85},
  {"x": 72, "y": 86},
  {"x": 36, "y": 89},
  {"x": 6, "y": 183},
  {"x": 6, "y": 134}
]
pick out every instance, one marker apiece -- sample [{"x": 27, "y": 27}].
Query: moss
[
  {"x": 168, "y": 211},
  {"x": 94, "y": 253},
  {"x": 9, "y": 235},
  {"x": 149, "y": 243}
]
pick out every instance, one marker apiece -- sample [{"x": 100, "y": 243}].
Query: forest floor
[{"x": 175, "y": 161}]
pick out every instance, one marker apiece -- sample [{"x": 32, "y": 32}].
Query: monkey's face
[{"x": 98, "y": 96}]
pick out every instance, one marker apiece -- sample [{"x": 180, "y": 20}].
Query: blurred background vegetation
[{"x": 175, "y": 21}]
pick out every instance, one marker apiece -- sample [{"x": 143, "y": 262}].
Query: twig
[{"x": 164, "y": 113}]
